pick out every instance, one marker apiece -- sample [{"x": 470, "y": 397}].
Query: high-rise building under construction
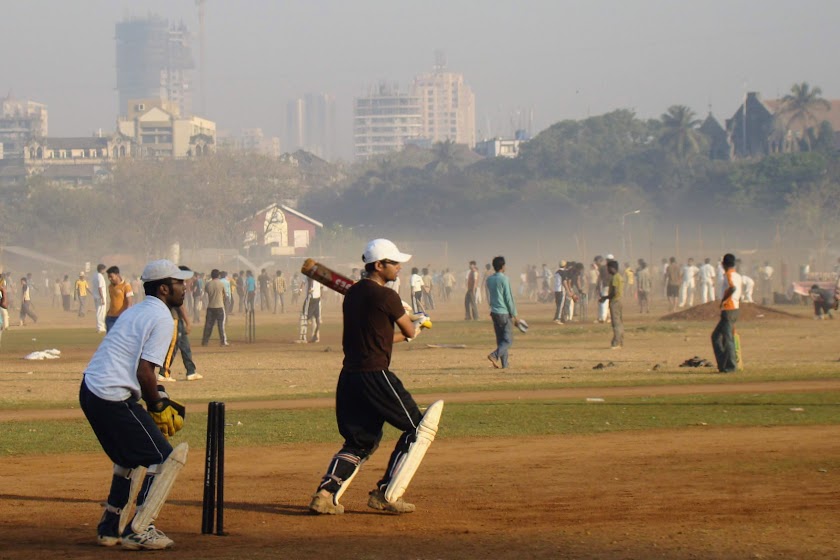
[{"x": 154, "y": 61}]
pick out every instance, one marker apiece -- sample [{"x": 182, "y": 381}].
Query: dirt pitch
[{"x": 699, "y": 492}]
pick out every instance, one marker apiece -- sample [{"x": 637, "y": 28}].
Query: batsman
[
  {"x": 135, "y": 438},
  {"x": 369, "y": 394}
]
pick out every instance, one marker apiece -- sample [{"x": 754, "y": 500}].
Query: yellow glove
[{"x": 167, "y": 414}]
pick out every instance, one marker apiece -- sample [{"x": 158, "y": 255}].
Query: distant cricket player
[{"x": 369, "y": 394}]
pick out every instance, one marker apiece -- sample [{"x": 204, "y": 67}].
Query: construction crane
[{"x": 201, "y": 59}]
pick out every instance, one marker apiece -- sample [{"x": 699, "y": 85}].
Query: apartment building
[
  {"x": 250, "y": 140},
  {"x": 385, "y": 120},
  {"x": 447, "y": 105},
  {"x": 159, "y": 131}
]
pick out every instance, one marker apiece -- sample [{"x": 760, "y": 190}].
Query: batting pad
[
  {"x": 162, "y": 485},
  {"x": 409, "y": 463}
]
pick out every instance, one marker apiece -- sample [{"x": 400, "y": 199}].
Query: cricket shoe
[
  {"x": 377, "y": 501},
  {"x": 108, "y": 531},
  {"x": 166, "y": 378},
  {"x": 152, "y": 539},
  {"x": 194, "y": 377},
  {"x": 322, "y": 503}
]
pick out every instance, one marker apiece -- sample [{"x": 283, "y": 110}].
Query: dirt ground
[
  {"x": 700, "y": 492},
  {"x": 669, "y": 494}
]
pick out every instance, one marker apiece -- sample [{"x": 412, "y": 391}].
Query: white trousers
[
  {"x": 686, "y": 294},
  {"x": 707, "y": 292},
  {"x": 99, "y": 304}
]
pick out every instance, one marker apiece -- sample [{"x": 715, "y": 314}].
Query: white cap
[
  {"x": 610, "y": 257},
  {"x": 162, "y": 269},
  {"x": 382, "y": 249}
]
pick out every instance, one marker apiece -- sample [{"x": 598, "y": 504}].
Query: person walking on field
[
  {"x": 26, "y": 303},
  {"x": 503, "y": 313},
  {"x": 723, "y": 337},
  {"x": 368, "y": 393},
  {"x": 615, "y": 294}
]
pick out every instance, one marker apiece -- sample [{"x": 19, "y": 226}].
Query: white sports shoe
[
  {"x": 194, "y": 377},
  {"x": 152, "y": 539}
]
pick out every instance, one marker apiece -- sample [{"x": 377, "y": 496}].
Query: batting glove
[{"x": 167, "y": 414}]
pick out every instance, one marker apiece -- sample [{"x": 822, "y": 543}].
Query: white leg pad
[
  {"x": 408, "y": 464},
  {"x": 164, "y": 481},
  {"x": 138, "y": 475}
]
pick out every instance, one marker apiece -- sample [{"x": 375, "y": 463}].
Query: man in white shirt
[
  {"x": 99, "y": 288},
  {"x": 311, "y": 312},
  {"x": 415, "y": 283},
  {"x": 689, "y": 283},
  {"x": 707, "y": 281},
  {"x": 122, "y": 371}
]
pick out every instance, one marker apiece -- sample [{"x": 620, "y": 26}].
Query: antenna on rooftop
[{"x": 440, "y": 60}]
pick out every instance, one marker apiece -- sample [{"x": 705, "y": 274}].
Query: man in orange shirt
[
  {"x": 723, "y": 337},
  {"x": 121, "y": 296}
]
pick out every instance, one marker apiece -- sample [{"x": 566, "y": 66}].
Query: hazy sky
[{"x": 563, "y": 58}]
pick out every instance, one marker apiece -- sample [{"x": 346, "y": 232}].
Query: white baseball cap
[
  {"x": 610, "y": 257},
  {"x": 162, "y": 269},
  {"x": 382, "y": 249}
]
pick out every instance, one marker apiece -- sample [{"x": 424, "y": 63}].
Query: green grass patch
[{"x": 496, "y": 419}]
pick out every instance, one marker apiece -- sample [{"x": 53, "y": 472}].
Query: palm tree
[
  {"x": 800, "y": 105},
  {"x": 679, "y": 134}
]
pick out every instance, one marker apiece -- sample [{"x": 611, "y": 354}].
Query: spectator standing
[
  {"x": 723, "y": 337},
  {"x": 280, "y": 292},
  {"x": 121, "y": 296},
  {"x": 216, "y": 315},
  {"x": 99, "y": 289},
  {"x": 470, "y": 303},
  {"x": 80, "y": 293},
  {"x": 615, "y": 294}
]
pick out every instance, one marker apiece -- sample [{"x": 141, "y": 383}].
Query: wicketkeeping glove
[{"x": 167, "y": 414}]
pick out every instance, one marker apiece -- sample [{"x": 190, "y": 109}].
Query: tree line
[{"x": 577, "y": 171}]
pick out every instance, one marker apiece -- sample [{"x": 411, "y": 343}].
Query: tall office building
[
  {"x": 310, "y": 125},
  {"x": 154, "y": 61},
  {"x": 447, "y": 103},
  {"x": 385, "y": 120}
]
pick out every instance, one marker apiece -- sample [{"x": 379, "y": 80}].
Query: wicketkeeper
[
  {"x": 369, "y": 394},
  {"x": 135, "y": 438}
]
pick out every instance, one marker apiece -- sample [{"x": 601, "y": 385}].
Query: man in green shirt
[
  {"x": 502, "y": 311},
  {"x": 614, "y": 296}
]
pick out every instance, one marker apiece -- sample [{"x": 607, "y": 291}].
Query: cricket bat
[
  {"x": 326, "y": 276},
  {"x": 340, "y": 283}
]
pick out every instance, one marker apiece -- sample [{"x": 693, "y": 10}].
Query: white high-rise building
[
  {"x": 385, "y": 120},
  {"x": 447, "y": 105}
]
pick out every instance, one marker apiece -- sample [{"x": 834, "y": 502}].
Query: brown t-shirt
[{"x": 370, "y": 311}]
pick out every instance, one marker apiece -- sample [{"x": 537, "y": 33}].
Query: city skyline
[{"x": 555, "y": 60}]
